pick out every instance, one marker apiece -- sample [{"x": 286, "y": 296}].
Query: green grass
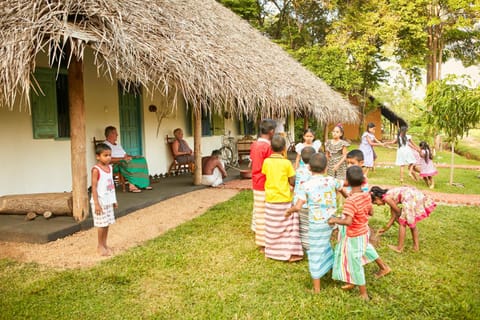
[
  {"x": 209, "y": 268},
  {"x": 470, "y": 148}
]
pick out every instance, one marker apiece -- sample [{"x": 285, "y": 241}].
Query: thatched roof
[{"x": 196, "y": 46}]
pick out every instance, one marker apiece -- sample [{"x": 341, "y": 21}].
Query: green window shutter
[
  {"x": 44, "y": 105},
  {"x": 218, "y": 123},
  {"x": 190, "y": 123}
]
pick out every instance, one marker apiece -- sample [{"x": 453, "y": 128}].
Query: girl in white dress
[
  {"x": 308, "y": 141},
  {"x": 405, "y": 156}
]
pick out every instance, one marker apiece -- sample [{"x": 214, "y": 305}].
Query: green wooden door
[{"x": 130, "y": 120}]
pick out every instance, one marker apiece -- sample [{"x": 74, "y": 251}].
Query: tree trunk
[
  {"x": 451, "y": 162},
  {"x": 56, "y": 203},
  {"x": 197, "y": 136},
  {"x": 78, "y": 140}
]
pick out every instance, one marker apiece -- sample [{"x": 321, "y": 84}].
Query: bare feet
[
  {"x": 261, "y": 249},
  {"x": 348, "y": 287},
  {"x": 365, "y": 297},
  {"x": 383, "y": 272},
  {"x": 413, "y": 176},
  {"x": 104, "y": 252},
  {"x": 396, "y": 249},
  {"x": 295, "y": 258}
]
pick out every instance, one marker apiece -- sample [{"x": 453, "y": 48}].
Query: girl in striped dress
[{"x": 319, "y": 193}]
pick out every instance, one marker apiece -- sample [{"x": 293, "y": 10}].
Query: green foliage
[{"x": 455, "y": 108}]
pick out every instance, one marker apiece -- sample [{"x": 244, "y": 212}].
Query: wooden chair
[
  {"x": 175, "y": 167},
  {"x": 243, "y": 146},
  {"x": 118, "y": 178}
]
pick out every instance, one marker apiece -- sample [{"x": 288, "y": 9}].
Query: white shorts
[{"x": 106, "y": 218}]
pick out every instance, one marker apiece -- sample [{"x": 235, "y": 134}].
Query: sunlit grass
[{"x": 209, "y": 268}]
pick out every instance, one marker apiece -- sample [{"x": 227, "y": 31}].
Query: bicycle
[{"x": 229, "y": 150}]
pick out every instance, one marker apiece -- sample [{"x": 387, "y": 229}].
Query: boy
[
  {"x": 303, "y": 174},
  {"x": 282, "y": 234},
  {"x": 358, "y": 206},
  {"x": 259, "y": 151},
  {"x": 355, "y": 158},
  {"x": 103, "y": 199},
  {"x": 319, "y": 192}
]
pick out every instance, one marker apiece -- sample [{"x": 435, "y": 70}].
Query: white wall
[{"x": 43, "y": 165}]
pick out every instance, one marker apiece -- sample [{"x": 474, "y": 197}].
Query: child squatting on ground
[
  {"x": 103, "y": 200},
  {"x": 348, "y": 266},
  {"x": 282, "y": 234},
  {"x": 408, "y": 205},
  {"x": 319, "y": 193}
]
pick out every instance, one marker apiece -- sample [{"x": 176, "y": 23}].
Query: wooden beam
[
  {"x": 77, "y": 140},
  {"x": 197, "y": 137}
]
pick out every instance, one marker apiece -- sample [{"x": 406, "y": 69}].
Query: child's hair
[
  {"x": 377, "y": 192},
  {"x": 318, "y": 162},
  {"x": 308, "y": 130},
  {"x": 307, "y": 154},
  {"x": 428, "y": 154},
  {"x": 109, "y": 130},
  {"x": 278, "y": 143},
  {"x": 402, "y": 136},
  {"x": 216, "y": 153},
  {"x": 100, "y": 148},
  {"x": 355, "y": 176},
  {"x": 267, "y": 125},
  {"x": 370, "y": 125},
  {"x": 339, "y": 126},
  {"x": 356, "y": 154}
]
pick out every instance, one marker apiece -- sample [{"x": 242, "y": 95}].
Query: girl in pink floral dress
[
  {"x": 427, "y": 168},
  {"x": 408, "y": 205}
]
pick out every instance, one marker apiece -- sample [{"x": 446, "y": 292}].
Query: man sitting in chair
[
  {"x": 134, "y": 169},
  {"x": 181, "y": 151},
  {"x": 213, "y": 170}
]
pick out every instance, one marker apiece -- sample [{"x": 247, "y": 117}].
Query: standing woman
[
  {"x": 336, "y": 151},
  {"x": 366, "y": 146}
]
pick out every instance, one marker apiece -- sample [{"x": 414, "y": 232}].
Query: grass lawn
[{"x": 209, "y": 268}]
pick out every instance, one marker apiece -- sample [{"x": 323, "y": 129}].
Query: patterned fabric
[
  {"x": 184, "y": 158},
  {"x": 106, "y": 198},
  {"x": 301, "y": 175},
  {"x": 336, "y": 153},
  {"x": 277, "y": 171},
  {"x": 427, "y": 168},
  {"x": 299, "y": 147},
  {"x": 348, "y": 266},
  {"x": 106, "y": 218},
  {"x": 259, "y": 151},
  {"x": 282, "y": 235},
  {"x": 367, "y": 149},
  {"x": 358, "y": 206},
  {"x": 415, "y": 205},
  {"x": 258, "y": 221},
  {"x": 135, "y": 171},
  {"x": 304, "y": 228},
  {"x": 320, "y": 254}
]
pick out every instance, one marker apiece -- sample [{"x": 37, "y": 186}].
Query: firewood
[{"x": 30, "y": 216}]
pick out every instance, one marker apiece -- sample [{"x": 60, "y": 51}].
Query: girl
[
  {"x": 366, "y": 146},
  {"x": 308, "y": 141},
  {"x": 336, "y": 151},
  {"x": 405, "y": 156},
  {"x": 415, "y": 206},
  {"x": 427, "y": 168}
]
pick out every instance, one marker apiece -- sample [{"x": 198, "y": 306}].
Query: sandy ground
[{"x": 79, "y": 249}]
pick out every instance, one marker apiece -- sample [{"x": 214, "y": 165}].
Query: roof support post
[
  {"x": 78, "y": 139},
  {"x": 197, "y": 137}
]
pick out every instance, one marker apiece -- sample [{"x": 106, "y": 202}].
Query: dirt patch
[{"x": 79, "y": 249}]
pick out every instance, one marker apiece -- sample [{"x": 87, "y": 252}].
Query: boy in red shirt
[{"x": 259, "y": 151}]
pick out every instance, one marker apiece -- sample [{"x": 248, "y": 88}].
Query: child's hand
[
  {"x": 115, "y": 205},
  {"x": 98, "y": 209},
  {"x": 381, "y": 231},
  {"x": 288, "y": 213},
  {"x": 331, "y": 222}
]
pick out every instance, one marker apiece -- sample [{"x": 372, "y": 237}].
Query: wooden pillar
[
  {"x": 197, "y": 137},
  {"x": 78, "y": 140},
  {"x": 305, "y": 122}
]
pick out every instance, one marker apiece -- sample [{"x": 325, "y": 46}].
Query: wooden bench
[
  {"x": 118, "y": 178},
  {"x": 243, "y": 146}
]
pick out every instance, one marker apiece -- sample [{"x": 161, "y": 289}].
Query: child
[
  {"x": 282, "y": 234},
  {"x": 259, "y": 151},
  {"x": 366, "y": 146},
  {"x": 415, "y": 206},
  {"x": 308, "y": 141},
  {"x": 303, "y": 174},
  {"x": 320, "y": 194},
  {"x": 103, "y": 199},
  {"x": 348, "y": 267},
  {"x": 405, "y": 156},
  {"x": 427, "y": 168},
  {"x": 355, "y": 158},
  {"x": 336, "y": 150}
]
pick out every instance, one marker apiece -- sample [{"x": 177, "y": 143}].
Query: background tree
[{"x": 455, "y": 109}]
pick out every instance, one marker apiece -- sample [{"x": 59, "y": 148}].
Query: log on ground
[{"x": 58, "y": 203}]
